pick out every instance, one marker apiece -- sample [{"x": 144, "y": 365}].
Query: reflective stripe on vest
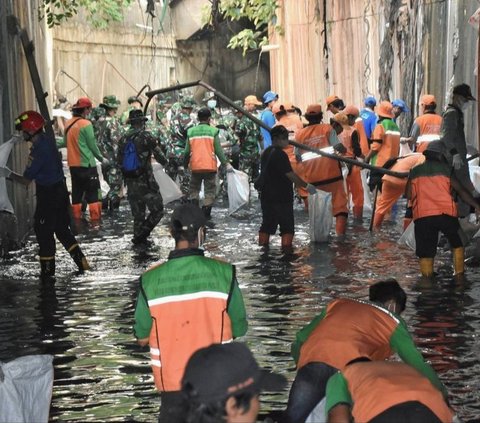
[{"x": 346, "y": 139}]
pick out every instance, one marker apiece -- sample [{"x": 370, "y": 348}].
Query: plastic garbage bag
[
  {"x": 320, "y": 215},
  {"x": 5, "y": 149},
  {"x": 168, "y": 188},
  {"x": 318, "y": 413},
  {"x": 238, "y": 190},
  {"x": 26, "y": 389},
  {"x": 408, "y": 237},
  {"x": 367, "y": 201}
]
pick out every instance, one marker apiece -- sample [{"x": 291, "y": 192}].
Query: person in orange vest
[
  {"x": 322, "y": 172},
  {"x": 82, "y": 150},
  {"x": 392, "y": 188},
  {"x": 356, "y": 121},
  {"x": 201, "y": 152},
  {"x": 334, "y": 104},
  {"x": 426, "y": 127},
  {"x": 188, "y": 302},
  {"x": 276, "y": 192},
  {"x": 287, "y": 116},
  {"x": 222, "y": 384},
  {"x": 429, "y": 189},
  {"x": 350, "y": 139},
  {"x": 347, "y": 329},
  {"x": 385, "y": 139},
  {"x": 384, "y": 392}
]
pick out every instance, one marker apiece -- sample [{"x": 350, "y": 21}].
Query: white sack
[
  {"x": 318, "y": 413},
  {"x": 320, "y": 215},
  {"x": 26, "y": 389},
  {"x": 5, "y": 150},
  {"x": 238, "y": 190},
  {"x": 367, "y": 202},
  {"x": 408, "y": 237},
  {"x": 168, "y": 188}
]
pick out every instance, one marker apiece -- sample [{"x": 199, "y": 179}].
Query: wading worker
[
  {"x": 53, "y": 204},
  {"x": 384, "y": 392},
  {"x": 345, "y": 330},
  {"x": 188, "y": 302}
]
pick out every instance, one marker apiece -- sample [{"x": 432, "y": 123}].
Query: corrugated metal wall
[{"x": 352, "y": 31}]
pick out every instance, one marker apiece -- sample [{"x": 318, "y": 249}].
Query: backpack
[{"x": 131, "y": 166}]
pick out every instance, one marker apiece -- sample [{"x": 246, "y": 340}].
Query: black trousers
[
  {"x": 85, "y": 185},
  {"x": 52, "y": 218},
  {"x": 426, "y": 234},
  {"x": 407, "y": 412},
  {"x": 172, "y": 408},
  {"x": 277, "y": 214}
]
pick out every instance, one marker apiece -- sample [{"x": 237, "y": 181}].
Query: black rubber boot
[
  {"x": 207, "y": 211},
  {"x": 47, "y": 271},
  {"x": 79, "y": 259}
]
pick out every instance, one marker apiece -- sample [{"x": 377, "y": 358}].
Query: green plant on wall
[
  {"x": 261, "y": 13},
  {"x": 99, "y": 13}
]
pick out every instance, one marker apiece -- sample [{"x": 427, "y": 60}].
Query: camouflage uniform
[
  {"x": 143, "y": 190},
  {"x": 249, "y": 136},
  {"x": 179, "y": 126},
  {"x": 228, "y": 141}
]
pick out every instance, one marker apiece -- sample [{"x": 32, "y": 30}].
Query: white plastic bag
[
  {"x": 238, "y": 190},
  {"x": 318, "y": 413},
  {"x": 5, "y": 149},
  {"x": 26, "y": 389},
  {"x": 320, "y": 215},
  {"x": 408, "y": 237},
  {"x": 168, "y": 188},
  {"x": 367, "y": 201}
]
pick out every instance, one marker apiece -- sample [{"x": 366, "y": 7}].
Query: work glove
[
  {"x": 457, "y": 161},
  {"x": 312, "y": 190},
  {"x": 5, "y": 172},
  {"x": 229, "y": 168}
]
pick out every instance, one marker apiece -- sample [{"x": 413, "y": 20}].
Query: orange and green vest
[
  {"x": 203, "y": 147},
  {"x": 431, "y": 190},
  {"x": 429, "y": 125},
  {"x": 189, "y": 302},
  {"x": 374, "y": 387},
  {"x": 385, "y": 142},
  {"x": 80, "y": 141}
]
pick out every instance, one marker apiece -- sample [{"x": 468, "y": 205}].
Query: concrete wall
[{"x": 17, "y": 95}]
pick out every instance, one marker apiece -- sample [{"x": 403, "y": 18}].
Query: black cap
[
  {"x": 222, "y": 370},
  {"x": 204, "y": 113},
  {"x": 133, "y": 99},
  {"x": 188, "y": 216},
  {"x": 464, "y": 90},
  {"x": 136, "y": 115}
]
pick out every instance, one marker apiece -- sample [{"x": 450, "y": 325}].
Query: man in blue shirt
[
  {"x": 368, "y": 115},
  {"x": 267, "y": 117},
  {"x": 53, "y": 204}
]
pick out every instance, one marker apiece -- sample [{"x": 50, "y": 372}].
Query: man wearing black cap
[
  {"x": 452, "y": 135},
  {"x": 201, "y": 152},
  {"x": 186, "y": 303},
  {"x": 135, "y": 150},
  {"x": 222, "y": 383}
]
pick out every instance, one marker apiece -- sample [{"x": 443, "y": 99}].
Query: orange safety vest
[
  {"x": 379, "y": 385},
  {"x": 345, "y": 138},
  {"x": 388, "y": 148},
  {"x": 202, "y": 153},
  {"x": 320, "y": 170},
  {"x": 404, "y": 164},
  {"x": 358, "y": 125},
  {"x": 365, "y": 332},
  {"x": 429, "y": 124},
  {"x": 431, "y": 191},
  {"x": 293, "y": 124}
]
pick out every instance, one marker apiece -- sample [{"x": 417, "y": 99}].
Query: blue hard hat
[
  {"x": 401, "y": 105},
  {"x": 370, "y": 101},
  {"x": 269, "y": 96}
]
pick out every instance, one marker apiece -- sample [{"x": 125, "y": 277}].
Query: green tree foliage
[
  {"x": 261, "y": 13},
  {"x": 100, "y": 13}
]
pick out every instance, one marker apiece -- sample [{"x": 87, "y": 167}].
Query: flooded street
[{"x": 86, "y": 321}]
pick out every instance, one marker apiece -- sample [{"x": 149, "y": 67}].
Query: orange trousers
[
  {"x": 391, "y": 192},
  {"x": 355, "y": 187}
]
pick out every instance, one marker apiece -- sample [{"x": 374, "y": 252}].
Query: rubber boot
[
  {"x": 95, "y": 210},
  {"x": 377, "y": 221},
  {"x": 47, "y": 270},
  {"x": 426, "y": 267},
  {"x": 263, "y": 239},
  {"x": 357, "y": 213},
  {"x": 287, "y": 240},
  {"x": 406, "y": 222},
  {"x": 77, "y": 211},
  {"x": 341, "y": 224},
  {"x": 79, "y": 258},
  {"x": 207, "y": 211},
  {"x": 458, "y": 261}
]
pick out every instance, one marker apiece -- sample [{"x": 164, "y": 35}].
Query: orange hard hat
[
  {"x": 351, "y": 110},
  {"x": 428, "y": 100},
  {"x": 283, "y": 107},
  {"x": 330, "y": 99},
  {"x": 252, "y": 99},
  {"x": 385, "y": 109},
  {"x": 314, "y": 109}
]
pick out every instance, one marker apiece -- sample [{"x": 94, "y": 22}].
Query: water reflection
[{"x": 102, "y": 375}]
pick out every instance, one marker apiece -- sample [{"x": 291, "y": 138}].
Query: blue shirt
[
  {"x": 369, "y": 121},
  {"x": 268, "y": 118},
  {"x": 44, "y": 163}
]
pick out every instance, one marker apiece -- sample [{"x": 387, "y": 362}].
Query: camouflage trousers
[
  {"x": 113, "y": 177},
  {"x": 178, "y": 173},
  {"x": 141, "y": 197},
  {"x": 209, "y": 180},
  {"x": 250, "y": 164}
]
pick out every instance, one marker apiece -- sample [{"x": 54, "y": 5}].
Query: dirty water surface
[{"x": 85, "y": 321}]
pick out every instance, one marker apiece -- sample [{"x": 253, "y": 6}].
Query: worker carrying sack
[{"x": 131, "y": 165}]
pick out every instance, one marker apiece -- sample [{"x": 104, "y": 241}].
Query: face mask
[
  {"x": 212, "y": 104},
  {"x": 464, "y": 106}
]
